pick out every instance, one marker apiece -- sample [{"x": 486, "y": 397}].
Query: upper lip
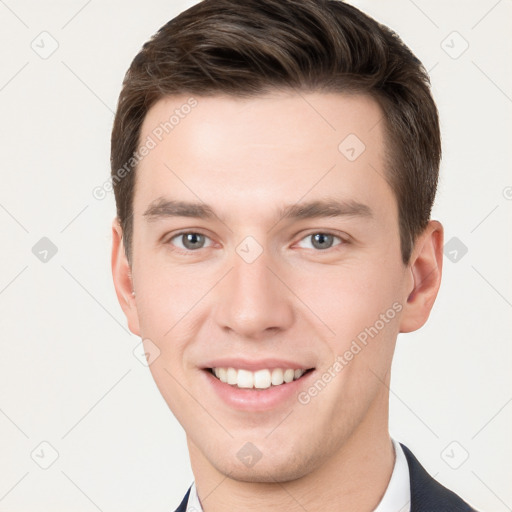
[{"x": 254, "y": 365}]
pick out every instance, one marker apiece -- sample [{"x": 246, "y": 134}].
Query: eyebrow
[{"x": 163, "y": 208}]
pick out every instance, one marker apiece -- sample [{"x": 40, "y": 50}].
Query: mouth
[{"x": 260, "y": 379}]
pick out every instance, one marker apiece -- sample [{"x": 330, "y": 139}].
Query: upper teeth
[{"x": 260, "y": 379}]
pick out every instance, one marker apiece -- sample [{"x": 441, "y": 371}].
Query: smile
[{"x": 260, "y": 379}]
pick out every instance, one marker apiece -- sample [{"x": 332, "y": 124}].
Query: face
[{"x": 266, "y": 239}]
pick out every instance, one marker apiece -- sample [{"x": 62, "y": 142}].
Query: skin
[{"x": 247, "y": 158}]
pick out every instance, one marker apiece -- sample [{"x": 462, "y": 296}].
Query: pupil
[
  {"x": 192, "y": 239},
  {"x": 320, "y": 239}
]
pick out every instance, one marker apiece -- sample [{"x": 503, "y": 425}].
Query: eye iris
[
  {"x": 191, "y": 239},
  {"x": 196, "y": 240},
  {"x": 320, "y": 238}
]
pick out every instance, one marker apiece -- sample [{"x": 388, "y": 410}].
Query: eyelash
[{"x": 188, "y": 252}]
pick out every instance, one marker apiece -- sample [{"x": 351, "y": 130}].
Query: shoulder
[{"x": 428, "y": 495}]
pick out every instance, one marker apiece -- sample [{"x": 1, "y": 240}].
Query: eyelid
[
  {"x": 345, "y": 239},
  {"x": 167, "y": 240}
]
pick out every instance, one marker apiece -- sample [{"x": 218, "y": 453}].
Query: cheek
[
  {"x": 350, "y": 299},
  {"x": 166, "y": 295}
]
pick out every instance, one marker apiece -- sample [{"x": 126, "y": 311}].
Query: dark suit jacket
[{"x": 427, "y": 495}]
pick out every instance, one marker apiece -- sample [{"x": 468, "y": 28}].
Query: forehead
[{"x": 274, "y": 149}]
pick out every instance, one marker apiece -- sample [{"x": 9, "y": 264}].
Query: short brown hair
[{"x": 251, "y": 47}]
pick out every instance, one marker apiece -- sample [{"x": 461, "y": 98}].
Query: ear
[
  {"x": 424, "y": 269},
  {"x": 121, "y": 273}
]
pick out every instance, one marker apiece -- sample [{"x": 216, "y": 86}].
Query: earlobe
[
  {"x": 121, "y": 274},
  {"x": 425, "y": 270}
]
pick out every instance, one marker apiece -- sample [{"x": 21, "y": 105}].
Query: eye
[
  {"x": 190, "y": 241},
  {"x": 322, "y": 241}
]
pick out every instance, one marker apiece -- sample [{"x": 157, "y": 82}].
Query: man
[{"x": 275, "y": 164}]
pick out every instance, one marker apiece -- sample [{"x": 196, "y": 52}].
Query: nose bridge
[{"x": 253, "y": 298}]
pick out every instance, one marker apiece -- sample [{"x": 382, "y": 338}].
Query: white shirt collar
[
  {"x": 193, "y": 504},
  {"x": 397, "y": 497}
]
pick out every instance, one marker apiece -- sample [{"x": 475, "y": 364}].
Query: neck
[{"x": 354, "y": 477}]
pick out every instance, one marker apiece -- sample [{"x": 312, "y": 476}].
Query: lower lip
[{"x": 257, "y": 399}]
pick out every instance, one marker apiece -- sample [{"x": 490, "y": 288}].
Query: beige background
[{"x": 68, "y": 375}]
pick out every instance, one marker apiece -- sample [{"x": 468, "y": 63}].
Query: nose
[{"x": 254, "y": 302}]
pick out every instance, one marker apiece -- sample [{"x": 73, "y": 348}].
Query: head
[{"x": 274, "y": 166}]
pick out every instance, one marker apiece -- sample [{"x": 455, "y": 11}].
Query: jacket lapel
[
  {"x": 183, "y": 505},
  {"x": 427, "y": 495}
]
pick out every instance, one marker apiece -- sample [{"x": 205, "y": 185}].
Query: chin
[
  {"x": 267, "y": 473},
  {"x": 280, "y": 467}
]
